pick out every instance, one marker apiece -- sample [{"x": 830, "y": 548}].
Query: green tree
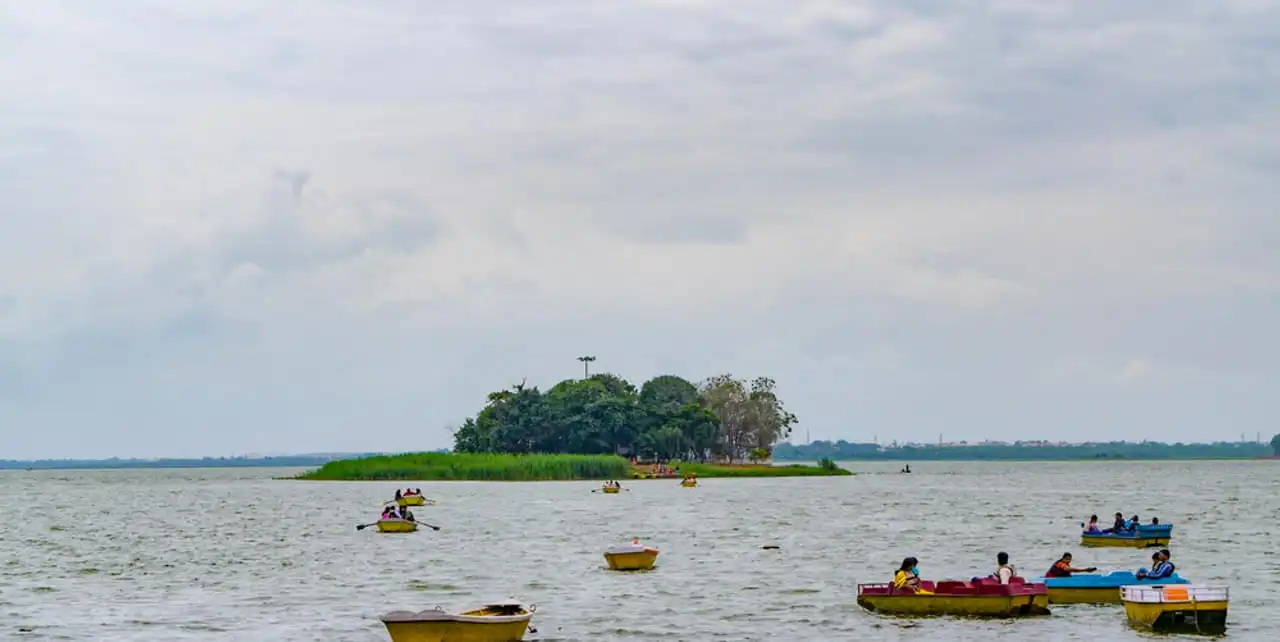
[
  {"x": 751, "y": 416},
  {"x": 667, "y": 393}
]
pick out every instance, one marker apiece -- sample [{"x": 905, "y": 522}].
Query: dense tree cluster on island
[{"x": 667, "y": 418}]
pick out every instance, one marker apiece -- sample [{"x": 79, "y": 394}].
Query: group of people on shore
[
  {"x": 907, "y": 577},
  {"x": 1118, "y": 527}
]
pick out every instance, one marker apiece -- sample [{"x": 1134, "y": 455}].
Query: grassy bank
[
  {"x": 748, "y": 470},
  {"x": 468, "y": 466}
]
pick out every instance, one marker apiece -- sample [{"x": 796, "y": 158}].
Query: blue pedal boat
[{"x": 1095, "y": 588}]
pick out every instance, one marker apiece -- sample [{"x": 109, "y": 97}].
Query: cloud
[{"x": 329, "y": 215}]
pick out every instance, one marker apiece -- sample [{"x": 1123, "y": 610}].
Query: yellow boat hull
[
  {"x": 1180, "y": 617},
  {"x": 962, "y": 605},
  {"x": 689, "y": 483},
  {"x": 609, "y": 490},
  {"x": 396, "y": 526},
  {"x": 1091, "y": 595},
  {"x": 413, "y": 500},
  {"x": 505, "y": 629},
  {"x": 1095, "y": 541},
  {"x": 641, "y": 561}
]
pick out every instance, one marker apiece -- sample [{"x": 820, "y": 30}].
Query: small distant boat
[
  {"x": 610, "y": 490},
  {"x": 504, "y": 621},
  {"x": 396, "y": 526},
  {"x": 982, "y": 598},
  {"x": 631, "y": 557},
  {"x": 414, "y": 500},
  {"x": 1136, "y": 539},
  {"x": 689, "y": 483},
  {"x": 1094, "y": 588},
  {"x": 1177, "y": 609}
]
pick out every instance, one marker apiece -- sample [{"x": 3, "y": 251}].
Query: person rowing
[{"x": 1063, "y": 567}]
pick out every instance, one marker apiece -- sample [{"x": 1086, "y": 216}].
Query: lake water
[{"x": 233, "y": 555}]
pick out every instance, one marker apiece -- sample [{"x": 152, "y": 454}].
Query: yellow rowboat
[
  {"x": 631, "y": 557},
  {"x": 499, "y": 622},
  {"x": 415, "y": 500},
  {"x": 1185, "y": 608},
  {"x": 689, "y": 483},
  {"x": 396, "y": 526},
  {"x": 1097, "y": 540},
  {"x": 610, "y": 490}
]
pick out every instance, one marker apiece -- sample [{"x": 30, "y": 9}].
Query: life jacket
[{"x": 1059, "y": 569}]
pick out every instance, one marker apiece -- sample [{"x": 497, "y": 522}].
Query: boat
[
  {"x": 1096, "y": 588},
  {"x": 610, "y": 490},
  {"x": 504, "y": 621},
  {"x": 1155, "y": 530},
  {"x": 394, "y": 525},
  {"x": 415, "y": 500},
  {"x": 1135, "y": 539},
  {"x": 631, "y": 557},
  {"x": 689, "y": 483},
  {"x": 1188, "y": 608},
  {"x": 980, "y": 598}
]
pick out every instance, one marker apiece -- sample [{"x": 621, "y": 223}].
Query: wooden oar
[{"x": 361, "y": 527}]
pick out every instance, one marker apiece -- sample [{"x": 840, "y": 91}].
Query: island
[{"x": 602, "y": 427}]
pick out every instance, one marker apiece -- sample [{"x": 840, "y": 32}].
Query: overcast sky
[{"x": 235, "y": 226}]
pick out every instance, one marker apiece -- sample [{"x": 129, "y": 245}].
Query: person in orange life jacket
[{"x": 1063, "y": 568}]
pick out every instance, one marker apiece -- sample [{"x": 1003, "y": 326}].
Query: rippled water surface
[{"x": 233, "y": 555}]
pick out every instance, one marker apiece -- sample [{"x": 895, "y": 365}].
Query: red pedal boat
[{"x": 981, "y": 598}]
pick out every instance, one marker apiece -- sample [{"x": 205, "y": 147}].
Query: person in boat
[
  {"x": 407, "y": 516},
  {"x": 1063, "y": 567},
  {"x": 1118, "y": 527},
  {"x": 398, "y": 495},
  {"x": 908, "y": 576},
  {"x": 1133, "y": 524},
  {"x": 1004, "y": 571},
  {"x": 417, "y": 491},
  {"x": 1093, "y": 525},
  {"x": 1155, "y": 521},
  {"x": 1161, "y": 567}
]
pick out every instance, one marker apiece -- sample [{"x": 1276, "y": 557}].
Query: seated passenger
[
  {"x": 1093, "y": 525},
  {"x": 1005, "y": 571},
  {"x": 1161, "y": 567},
  {"x": 907, "y": 578},
  {"x": 1117, "y": 527},
  {"x": 1063, "y": 567},
  {"x": 408, "y": 515}
]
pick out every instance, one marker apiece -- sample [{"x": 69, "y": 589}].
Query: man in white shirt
[{"x": 1005, "y": 571}]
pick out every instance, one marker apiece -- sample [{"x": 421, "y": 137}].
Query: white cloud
[{"x": 449, "y": 194}]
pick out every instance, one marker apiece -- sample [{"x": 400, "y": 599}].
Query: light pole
[{"x": 586, "y": 366}]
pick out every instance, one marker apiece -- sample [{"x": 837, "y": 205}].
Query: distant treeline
[
  {"x": 843, "y": 450},
  {"x": 204, "y": 462}
]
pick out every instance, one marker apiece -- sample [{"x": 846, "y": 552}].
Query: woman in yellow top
[{"x": 908, "y": 578}]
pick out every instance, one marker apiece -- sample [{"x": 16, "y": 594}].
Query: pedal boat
[
  {"x": 631, "y": 557},
  {"x": 1188, "y": 608},
  {"x": 396, "y": 526},
  {"x": 1136, "y": 539},
  {"x": 505, "y": 621},
  {"x": 1094, "y": 588},
  {"x": 982, "y": 598}
]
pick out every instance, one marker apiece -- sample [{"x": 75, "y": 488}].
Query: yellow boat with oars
[
  {"x": 1177, "y": 608},
  {"x": 610, "y": 490},
  {"x": 689, "y": 482},
  {"x": 415, "y": 500},
  {"x": 504, "y": 621},
  {"x": 394, "y": 525},
  {"x": 631, "y": 557}
]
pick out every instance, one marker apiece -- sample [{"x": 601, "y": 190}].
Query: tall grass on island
[
  {"x": 472, "y": 466},
  {"x": 825, "y": 469}
]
